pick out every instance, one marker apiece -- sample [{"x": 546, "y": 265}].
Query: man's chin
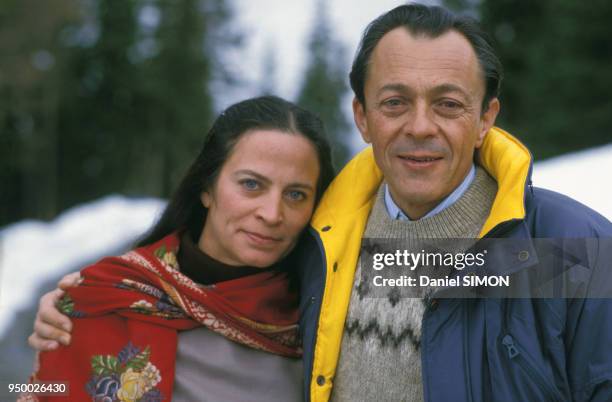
[
  {"x": 421, "y": 200},
  {"x": 416, "y": 192}
]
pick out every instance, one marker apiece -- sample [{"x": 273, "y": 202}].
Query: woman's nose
[{"x": 271, "y": 210}]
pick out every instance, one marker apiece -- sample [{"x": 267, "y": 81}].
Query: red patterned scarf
[{"x": 128, "y": 310}]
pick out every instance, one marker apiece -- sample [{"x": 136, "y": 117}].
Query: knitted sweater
[{"x": 380, "y": 357}]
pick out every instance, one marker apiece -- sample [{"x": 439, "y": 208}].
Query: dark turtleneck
[{"x": 203, "y": 269}]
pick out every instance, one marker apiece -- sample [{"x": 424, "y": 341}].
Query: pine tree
[
  {"x": 30, "y": 81},
  {"x": 183, "y": 75},
  {"x": 325, "y": 85},
  {"x": 124, "y": 106},
  {"x": 556, "y": 56},
  {"x": 182, "y": 104},
  {"x": 102, "y": 103}
]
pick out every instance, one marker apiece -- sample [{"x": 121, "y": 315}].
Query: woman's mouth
[{"x": 262, "y": 239}]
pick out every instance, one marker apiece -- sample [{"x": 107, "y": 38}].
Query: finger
[
  {"x": 41, "y": 344},
  {"x": 46, "y": 332},
  {"x": 50, "y": 298},
  {"x": 49, "y": 314},
  {"x": 70, "y": 280}
]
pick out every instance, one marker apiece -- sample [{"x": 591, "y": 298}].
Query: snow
[
  {"x": 581, "y": 175},
  {"x": 33, "y": 251}
]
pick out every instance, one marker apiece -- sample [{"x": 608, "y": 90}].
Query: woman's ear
[{"x": 206, "y": 199}]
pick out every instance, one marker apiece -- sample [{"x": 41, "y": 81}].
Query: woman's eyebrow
[
  {"x": 253, "y": 173},
  {"x": 266, "y": 180},
  {"x": 301, "y": 185}
]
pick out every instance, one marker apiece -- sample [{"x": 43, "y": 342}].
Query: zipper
[
  {"x": 515, "y": 354},
  {"x": 309, "y": 360}
]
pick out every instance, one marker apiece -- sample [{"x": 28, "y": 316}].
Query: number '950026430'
[{"x": 40, "y": 388}]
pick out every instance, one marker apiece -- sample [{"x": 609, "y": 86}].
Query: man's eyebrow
[
  {"x": 437, "y": 90},
  {"x": 266, "y": 180},
  {"x": 395, "y": 87},
  {"x": 446, "y": 88}
]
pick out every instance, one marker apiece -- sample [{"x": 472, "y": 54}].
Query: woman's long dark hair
[{"x": 185, "y": 211}]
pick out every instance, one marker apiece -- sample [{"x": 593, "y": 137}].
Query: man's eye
[
  {"x": 450, "y": 105},
  {"x": 250, "y": 184},
  {"x": 394, "y": 102},
  {"x": 295, "y": 195}
]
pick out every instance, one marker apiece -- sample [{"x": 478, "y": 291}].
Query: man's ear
[
  {"x": 360, "y": 120},
  {"x": 487, "y": 120}
]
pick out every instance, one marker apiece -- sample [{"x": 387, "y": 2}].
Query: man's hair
[{"x": 429, "y": 21}]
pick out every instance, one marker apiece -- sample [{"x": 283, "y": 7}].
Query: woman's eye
[
  {"x": 296, "y": 195},
  {"x": 250, "y": 184}
]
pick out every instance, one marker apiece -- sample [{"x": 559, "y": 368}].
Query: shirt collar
[{"x": 396, "y": 213}]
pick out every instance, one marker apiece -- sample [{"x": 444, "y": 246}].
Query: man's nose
[
  {"x": 420, "y": 123},
  {"x": 271, "y": 210}
]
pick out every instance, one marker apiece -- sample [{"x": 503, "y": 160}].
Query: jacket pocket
[{"x": 541, "y": 381}]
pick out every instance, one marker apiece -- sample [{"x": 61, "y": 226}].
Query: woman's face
[{"x": 263, "y": 198}]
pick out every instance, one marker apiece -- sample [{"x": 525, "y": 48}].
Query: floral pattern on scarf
[{"x": 127, "y": 377}]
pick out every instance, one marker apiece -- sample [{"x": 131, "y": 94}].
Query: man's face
[{"x": 423, "y": 115}]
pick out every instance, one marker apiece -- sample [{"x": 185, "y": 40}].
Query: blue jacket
[{"x": 487, "y": 349}]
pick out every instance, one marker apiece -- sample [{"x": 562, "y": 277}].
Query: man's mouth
[{"x": 420, "y": 159}]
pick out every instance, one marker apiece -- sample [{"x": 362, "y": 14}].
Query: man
[{"x": 426, "y": 89}]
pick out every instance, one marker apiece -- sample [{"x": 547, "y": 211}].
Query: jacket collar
[
  {"x": 504, "y": 157},
  {"x": 509, "y": 162}
]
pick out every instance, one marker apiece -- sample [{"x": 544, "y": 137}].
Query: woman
[{"x": 203, "y": 309}]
